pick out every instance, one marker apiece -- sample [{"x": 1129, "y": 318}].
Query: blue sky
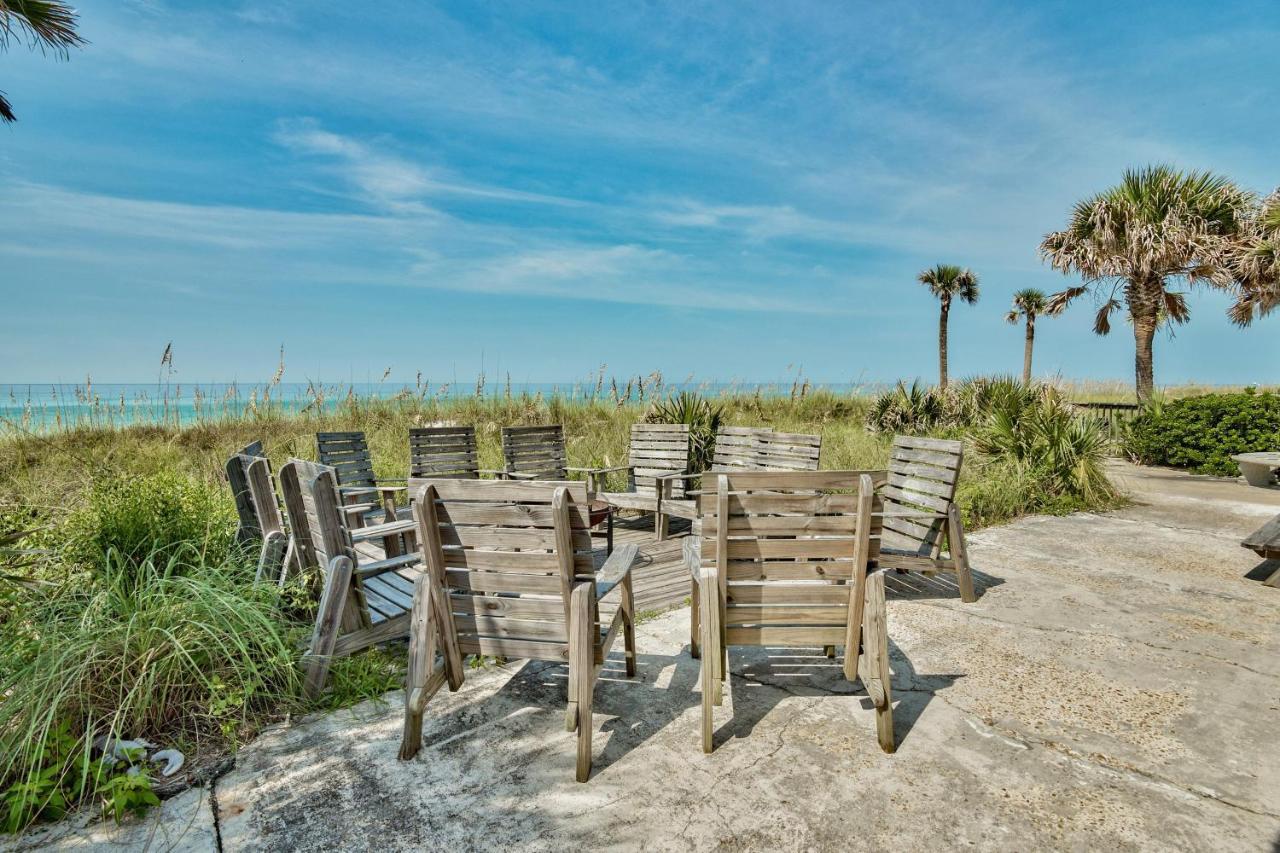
[{"x": 726, "y": 190}]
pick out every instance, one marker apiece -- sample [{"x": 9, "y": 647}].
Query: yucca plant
[
  {"x": 907, "y": 410},
  {"x": 703, "y": 419}
]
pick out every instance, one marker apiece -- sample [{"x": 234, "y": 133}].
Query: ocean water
[{"x": 39, "y": 407}]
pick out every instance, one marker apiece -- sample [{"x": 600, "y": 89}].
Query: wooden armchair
[
  {"x": 446, "y": 451},
  {"x": 249, "y": 474},
  {"x": 366, "y": 593},
  {"x": 656, "y": 454},
  {"x": 539, "y": 453},
  {"x": 509, "y": 572},
  {"x": 784, "y": 559},
  {"x": 749, "y": 449},
  {"x": 920, "y": 507}
]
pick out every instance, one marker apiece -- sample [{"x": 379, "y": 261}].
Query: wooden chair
[
  {"x": 788, "y": 451},
  {"x": 1265, "y": 542},
  {"x": 249, "y": 474},
  {"x": 784, "y": 559},
  {"x": 655, "y": 451},
  {"x": 366, "y": 593},
  {"x": 365, "y": 498},
  {"x": 920, "y": 507},
  {"x": 446, "y": 451},
  {"x": 509, "y": 572},
  {"x": 539, "y": 453},
  {"x": 751, "y": 449}
]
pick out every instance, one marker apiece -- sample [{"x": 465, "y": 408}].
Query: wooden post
[
  {"x": 861, "y": 565},
  {"x": 422, "y": 658}
]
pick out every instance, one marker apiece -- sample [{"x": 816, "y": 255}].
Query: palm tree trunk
[
  {"x": 1144, "y": 307},
  {"x": 942, "y": 343},
  {"x": 1026, "y": 352}
]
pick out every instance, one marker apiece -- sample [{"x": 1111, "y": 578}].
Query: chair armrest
[
  {"x": 520, "y": 475},
  {"x": 356, "y": 509},
  {"x": 611, "y": 468},
  {"x": 678, "y": 475},
  {"x": 615, "y": 569},
  {"x": 357, "y": 490},
  {"x": 581, "y": 470},
  {"x": 378, "y": 531}
]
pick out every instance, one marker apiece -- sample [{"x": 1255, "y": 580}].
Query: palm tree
[
  {"x": 46, "y": 24},
  {"x": 1256, "y": 264},
  {"x": 1029, "y": 303},
  {"x": 947, "y": 282},
  {"x": 1130, "y": 240}
]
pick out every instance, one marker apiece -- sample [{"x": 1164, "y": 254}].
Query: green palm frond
[{"x": 948, "y": 281}]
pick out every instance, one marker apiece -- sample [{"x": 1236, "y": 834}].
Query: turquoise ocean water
[{"x": 39, "y": 407}]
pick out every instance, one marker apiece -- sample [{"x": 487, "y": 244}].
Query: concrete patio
[{"x": 1117, "y": 686}]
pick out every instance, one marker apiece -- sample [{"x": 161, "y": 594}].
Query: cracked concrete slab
[
  {"x": 183, "y": 823},
  {"x": 1116, "y": 685}
]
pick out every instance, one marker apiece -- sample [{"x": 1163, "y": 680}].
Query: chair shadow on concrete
[
  {"x": 763, "y": 677},
  {"x": 636, "y": 708},
  {"x": 918, "y": 586}
]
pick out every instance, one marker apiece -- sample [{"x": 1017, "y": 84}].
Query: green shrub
[
  {"x": 1202, "y": 433},
  {"x": 703, "y": 419},
  {"x": 150, "y": 517}
]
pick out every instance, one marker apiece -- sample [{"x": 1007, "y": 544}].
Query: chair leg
[
  {"x": 329, "y": 617},
  {"x": 581, "y": 658},
  {"x": 629, "y": 625},
  {"x": 662, "y": 525},
  {"x": 710, "y": 659},
  {"x": 695, "y": 605},
  {"x": 829, "y": 651},
  {"x": 960, "y": 554},
  {"x": 608, "y": 534},
  {"x": 875, "y": 637},
  {"x": 422, "y": 658}
]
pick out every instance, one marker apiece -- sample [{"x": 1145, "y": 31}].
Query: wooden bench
[
  {"x": 784, "y": 559},
  {"x": 509, "y": 571},
  {"x": 1265, "y": 542}
]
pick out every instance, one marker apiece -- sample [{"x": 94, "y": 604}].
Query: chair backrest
[
  {"x": 737, "y": 448},
  {"x": 508, "y": 554},
  {"x": 446, "y": 451},
  {"x": 655, "y": 450},
  {"x": 922, "y": 478},
  {"x": 249, "y": 474},
  {"x": 311, "y": 498},
  {"x": 787, "y": 546},
  {"x": 536, "y": 451},
  {"x": 347, "y": 453},
  {"x": 789, "y": 451}
]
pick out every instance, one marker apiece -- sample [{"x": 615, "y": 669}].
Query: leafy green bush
[
  {"x": 1202, "y": 433},
  {"x": 1061, "y": 450},
  {"x": 169, "y": 646},
  {"x": 150, "y": 517}
]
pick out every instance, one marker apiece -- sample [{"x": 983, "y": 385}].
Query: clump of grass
[{"x": 174, "y": 646}]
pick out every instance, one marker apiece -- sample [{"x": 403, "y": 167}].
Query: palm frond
[
  {"x": 1058, "y": 302},
  {"x": 1102, "y": 322},
  {"x": 46, "y": 24}
]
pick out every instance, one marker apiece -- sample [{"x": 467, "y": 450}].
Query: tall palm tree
[
  {"x": 43, "y": 24},
  {"x": 947, "y": 282},
  {"x": 1028, "y": 303},
  {"x": 1129, "y": 241}
]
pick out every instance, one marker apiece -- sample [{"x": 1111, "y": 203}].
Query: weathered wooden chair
[
  {"x": 258, "y": 507},
  {"x": 655, "y": 452},
  {"x": 539, "y": 453},
  {"x": 365, "y": 498},
  {"x": 530, "y": 543},
  {"x": 750, "y": 449},
  {"x": 366, "y": 593},
  {"x": 785, "y": 559},
  {"x": 920, "y": 507},
  {"x": 788, "y": 451},
  {"x": 1265, "y": 542},
  {"x": 445, "y": 451}
]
